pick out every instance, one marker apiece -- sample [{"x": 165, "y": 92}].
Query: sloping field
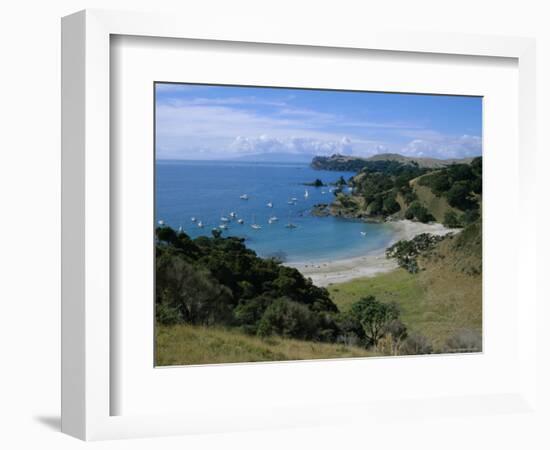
[{"x": 188, "y": 344}]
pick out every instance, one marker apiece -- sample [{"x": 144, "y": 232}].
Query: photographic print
[{"x": 299, "y": 224}]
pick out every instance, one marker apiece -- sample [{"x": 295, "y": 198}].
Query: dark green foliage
[
  {"x": 189, "y": 294},
  {"x": 351, "y": 330},
  {"x": 374, "y": 317},
  {"x": 460, "y": 196},
  {"x": 406, "y": 252},
  {"x": 338, "y": 164},
  {"x": 316, "y": 183},
  {"x": 460, "y": 183},
  {"x": 451, "y": 220},
  {"x": 418, "y": 212},
  {"x": 289, "y": 319},
  {"x": 470, "y": 216},
  {"x": 340, "y": 181},
  {"x": 379, "y": 182},
  {"x": 220, "y": 281},
  {"x": 390, "y": 205}
]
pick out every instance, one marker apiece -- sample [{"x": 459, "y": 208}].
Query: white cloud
[
  {"x": 441, "y": 146},
  {"x": 295, "y": 145}
]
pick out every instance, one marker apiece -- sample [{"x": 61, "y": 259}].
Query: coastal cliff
[{"x": 400, "y": 188}]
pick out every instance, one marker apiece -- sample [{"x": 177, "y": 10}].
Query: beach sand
[{"x": 324, "y": 273}]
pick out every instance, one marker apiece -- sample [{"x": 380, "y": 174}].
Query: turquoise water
[{"x": 211, "y": 190}]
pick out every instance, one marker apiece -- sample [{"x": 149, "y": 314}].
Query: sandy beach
[{"x": 324, "y": 273}]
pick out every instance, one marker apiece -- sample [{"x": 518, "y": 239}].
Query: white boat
[
  {"x": 180, "y": 229},
  {"x": 240, "y": 221},
  {"x": 290, "y": 202},
  {"x": 161, "y": 223},
  {"x": 323, "y": 192},
  {"x": 289, "y": 224},
  {"x": 244, "y": 197},
  {"x": 232, "y": 214},
  {"x": 223, "y": 226},
  {"x": 224, "y": 219},
  {"x": 363, "y": 233},
  {"x": 294, "y": 199},
  {"x": 193, "y": 219},
  {"x": 269, "y": 205},
  {"x": 272, "y": 219},
  {"x": 200, "y": 224},
  {"x": 306, "y": 194},
  {"x": 254, "y": 225}
]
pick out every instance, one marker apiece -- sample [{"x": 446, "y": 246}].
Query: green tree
[
  {"x": 289, "y": 319},
  {"x": 374, "y": 316},
  {"x": 459, "y": 196},
  {"x": 451, "y": 220}
]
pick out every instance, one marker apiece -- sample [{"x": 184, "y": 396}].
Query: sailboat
[
  {"x": 269, "y": 204},
  {"x": 363, "y": 233},
  {"x": 254, "y": 225},
  {"x": 200, "y": 224},
  {"x": 193, "y": 219},
  {"x": 273, "y": 219},
  {"x": 223, "y": 226},
  {"x": 306, "y": 194},
  {"x": 232, "y": 214},
  {"x": 244, "y": 197},
  {"x": 224, "y": 219},
  {"x": 289, "y": 224},
  {"x": 240, "y": 221},
  {"x": 161, "y": 223}
]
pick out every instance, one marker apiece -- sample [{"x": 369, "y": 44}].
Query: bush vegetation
[
  {"x": 219, "y": 282},
  {"x": 407, "y": 251}
]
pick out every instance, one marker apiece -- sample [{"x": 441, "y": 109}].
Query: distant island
[{"x": 356, "y": 163}]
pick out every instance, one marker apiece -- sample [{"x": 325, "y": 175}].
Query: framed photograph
[{"x": 268, "y": 229}]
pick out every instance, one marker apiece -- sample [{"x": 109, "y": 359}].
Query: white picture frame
[{"x": 87, "y": 353}]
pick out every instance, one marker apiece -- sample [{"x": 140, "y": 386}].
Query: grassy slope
[
  {"x": 439, "y": 301},
  {"x": 188, "y": 344},
  {"x": 437, "y": 206}
]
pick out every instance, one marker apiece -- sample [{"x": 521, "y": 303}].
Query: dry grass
[
  {"x": 437, "y": 206},
  {"x": 441, "y": 300},
  {"x": 188, "y": 344}
]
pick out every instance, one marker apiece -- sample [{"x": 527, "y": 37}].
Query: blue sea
[{"x": 209, "y": 190}]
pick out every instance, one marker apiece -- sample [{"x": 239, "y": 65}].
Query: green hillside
[
  {"x": 392, "y": 188},
  {"x": 437, "y": 206},
  {"x": 442, "y": 302}
]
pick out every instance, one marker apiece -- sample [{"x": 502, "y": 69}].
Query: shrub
[
  {"x": 464, "y": 341},
  {"x": 289, "y": 319},
  {"x": 459, "y": 196},
  {"x": 374, "y": 316},
  {"x": 416, "y": 344},
  {"x": 451, "y": 220},
  {"x": 189, "y": 295},
  {"x": 418, "y": 212},
  {"x": 395, "y": 332}
]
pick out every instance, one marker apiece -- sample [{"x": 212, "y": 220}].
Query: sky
[{"x": 207, "y": 122}]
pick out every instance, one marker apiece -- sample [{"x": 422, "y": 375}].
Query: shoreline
[{"x": 323, "y": 273}]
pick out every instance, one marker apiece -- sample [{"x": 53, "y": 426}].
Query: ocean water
[{"x": 209, "y": 191}]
